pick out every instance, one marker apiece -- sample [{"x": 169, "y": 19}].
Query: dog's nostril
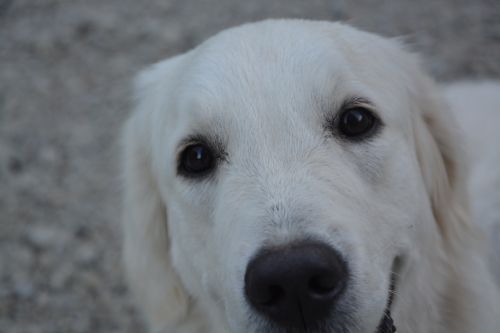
[{"x": 323, "y": 284}]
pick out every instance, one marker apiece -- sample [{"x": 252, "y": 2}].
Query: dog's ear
[
  {"x": 441, "y": 154},
  {"x": 146, "y": 254}
]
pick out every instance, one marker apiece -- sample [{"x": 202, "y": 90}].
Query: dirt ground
[{"x": 65, "y": 68}]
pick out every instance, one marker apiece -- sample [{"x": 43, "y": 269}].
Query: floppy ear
[
  {"x": 440, "y": 154},
  {"x": 151, "y": 277}
]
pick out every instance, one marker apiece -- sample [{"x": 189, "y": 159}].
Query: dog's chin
[
  {"x": 345, "y": 324},
  {"x": 342, "y": 323}
]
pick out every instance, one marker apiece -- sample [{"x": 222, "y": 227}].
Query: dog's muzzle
[{"x": 296, "y": 286}]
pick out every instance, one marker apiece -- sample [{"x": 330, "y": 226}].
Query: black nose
[{"x": 296, "y": 286}]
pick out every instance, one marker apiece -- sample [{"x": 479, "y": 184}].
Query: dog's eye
[
  {"x": 356, "y": 122},
  {"x": 196, "y": 160}
]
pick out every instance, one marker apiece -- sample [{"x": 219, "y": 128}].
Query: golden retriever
[{"x": 300, "y": 176}]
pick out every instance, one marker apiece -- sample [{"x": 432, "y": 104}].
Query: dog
[{"x": 301, "y": 176}]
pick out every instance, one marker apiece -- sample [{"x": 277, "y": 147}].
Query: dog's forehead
[
  {"x": 283, "y": 74},
  {"x": 270, "y": 69},
  {"x": 268, "y": 53}
]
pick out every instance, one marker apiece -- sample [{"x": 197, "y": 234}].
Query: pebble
[
  {"x": 86, "y": 254},
  {"x": 45, "y": 237},
  {"x": 61, "y": 277},
  {"x": 24, "y": 289}
]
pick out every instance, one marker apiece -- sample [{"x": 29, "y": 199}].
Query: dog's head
[{"x": 286, "y": 176}]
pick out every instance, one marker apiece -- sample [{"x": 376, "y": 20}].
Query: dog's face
[{"x": 286, "y": 165}]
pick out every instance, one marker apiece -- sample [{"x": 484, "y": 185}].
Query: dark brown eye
[
  {"x": 356, "y": 123},
  {"x": 196, "y": 160}
]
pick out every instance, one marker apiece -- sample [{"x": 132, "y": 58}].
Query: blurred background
[{"x": 65, "y": 70}]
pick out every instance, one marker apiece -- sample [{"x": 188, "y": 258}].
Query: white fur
[{"x": 263, "y": 90}]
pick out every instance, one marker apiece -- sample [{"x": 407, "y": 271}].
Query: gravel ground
[{"x": 65, "y": 68}]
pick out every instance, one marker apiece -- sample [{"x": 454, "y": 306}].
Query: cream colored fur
[{"x": 262, "y": 89}]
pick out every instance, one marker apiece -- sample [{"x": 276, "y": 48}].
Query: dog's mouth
[{"x": 387, "y": 323}]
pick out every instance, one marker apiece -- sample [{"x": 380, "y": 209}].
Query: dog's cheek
[
  {"x": 190, "y": 257},
  {"x": 236, "y": 238}
]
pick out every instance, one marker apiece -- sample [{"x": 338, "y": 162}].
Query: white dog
[{"x": 295, "y": 176}]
